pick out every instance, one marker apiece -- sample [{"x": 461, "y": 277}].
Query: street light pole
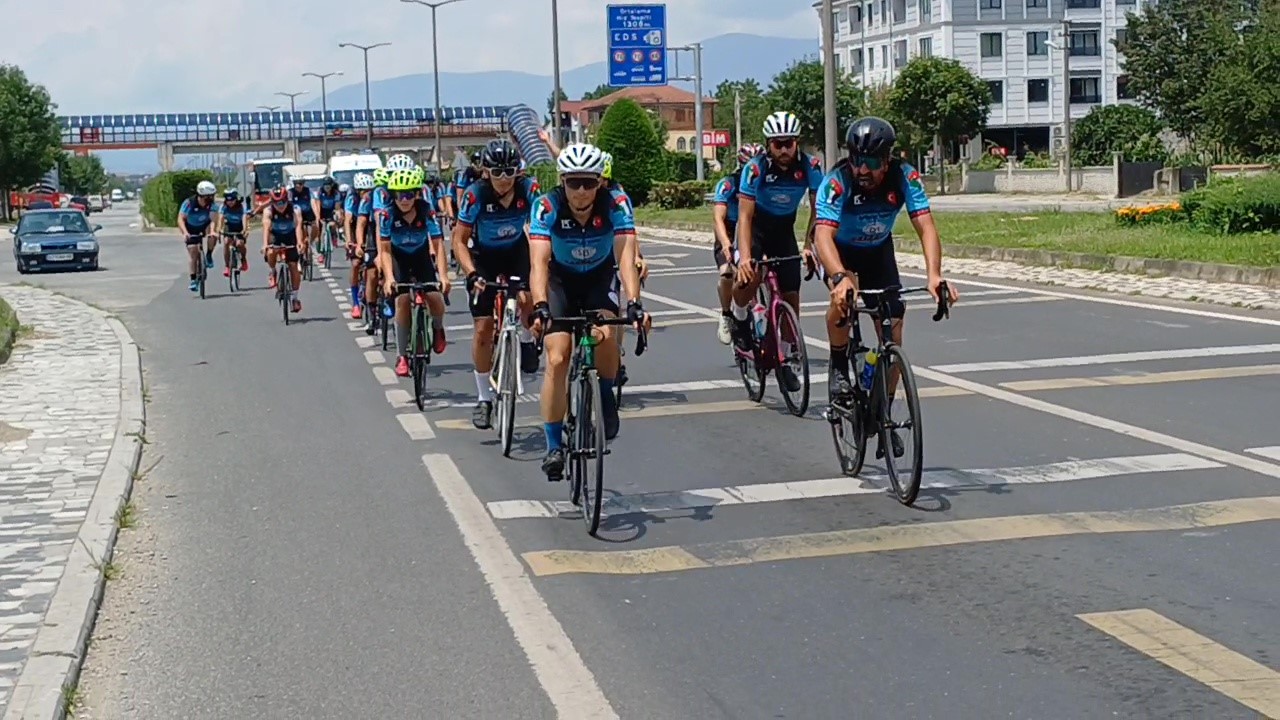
[
  {"x": 435, "y": 65},
  {"x": 696, "y": 79},
  {"x": 368, "y": 106},
  {"x": 293, "y": 128},
  {"x": 829, "y": 83},
  {"x": 1066, "y": 101},
  {"x": 555, "y": 70},
  {"x": 270, "y": 109},
  {"x": 324, "y": 108}
]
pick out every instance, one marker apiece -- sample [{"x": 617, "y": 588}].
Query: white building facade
[{"x": 1007, "y": 43}]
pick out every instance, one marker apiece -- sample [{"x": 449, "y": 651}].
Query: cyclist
[
  {"x": 328, "y": 207},
  {"x": 489, "y": 240},
  {"x": 408, "y": 240},
  {"x": 230, "y": 225},
  {"x": 769, "y": 193},
  {"x": 579, "y": 239},
  {"x": 466, "y": 177},
  {"x": 303, "y": 199},
  {"x": 282, "y": 225},
  {"x": 622, "y": 200},
  {"x": 366, "y": 231},
  {"x": 351, "y": 215},
  {"x": 857, "y": 205},
  {"x": 195, "y": 220},
  {"x": 724, "y": 213}
]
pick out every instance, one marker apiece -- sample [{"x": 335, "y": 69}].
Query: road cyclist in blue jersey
[
  {"x": 491, "y": 240},
  {"x": 328, "y": 206},
  {"x": 282, "y": 227},
  {"x": 354, "y": 208},
  {"x": 770, "y": 191},
  {"x": 724, "y": 214},
  {"x": 580, "y": 246},
  {"x": 367, "y": 245},
  {"x": 231, "y": 228},
  {"x": 195, "y": 222},
  {"x": 858, "y": 204},
  {"x": 308, "y": 207},
  {"x": 410, "y": 249}
]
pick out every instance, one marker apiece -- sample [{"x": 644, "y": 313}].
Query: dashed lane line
[
  {"x": 1155, "y": 378},
  {"x": 1112, "y": 359},
  {"x": 416, "y": 426}
]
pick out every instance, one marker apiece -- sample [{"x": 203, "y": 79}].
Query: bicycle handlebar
[
  {"x": 596, "y": 318},
  {"x": 944, "y": 300},
  {"x": 402, "y": 288}
]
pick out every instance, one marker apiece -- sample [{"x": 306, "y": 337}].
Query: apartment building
[{"x": 1014, "y": 45}]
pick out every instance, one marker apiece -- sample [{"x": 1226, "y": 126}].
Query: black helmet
[
  {"x": 500, "y": 154},
  {"x": 475, "y": 157},
  {"x": 870, "y": 136}
]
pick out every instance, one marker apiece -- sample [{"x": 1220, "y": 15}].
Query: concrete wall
[{"x": 1093, "y": 180}]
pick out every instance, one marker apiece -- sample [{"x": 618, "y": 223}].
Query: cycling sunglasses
[
  {"x": 406, "y": 194},
  {"x": 872, "y": 162},
  {"x": 579, "y": 183},
  {"x": 782, "y": 143},
  {"x": 503, "y": 172}
]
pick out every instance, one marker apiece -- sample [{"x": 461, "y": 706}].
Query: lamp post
[
  {"x": 368, "y": 108},
  {"x": 293, "y": 128},
  {"x": 270, "y": 109},
  {"x": 435, "y": 64},
  {"x": 1065, "y": 47},
  {"x": 829, "y": 83},
  {"x": 555, "y": 71},
  {"x": 324, "y": 109}
]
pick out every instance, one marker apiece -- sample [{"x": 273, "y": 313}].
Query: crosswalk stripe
[
  {"x": 678, "y": 500},
  {"x": 1272, "y": 452},
  {"x": 1144, "y": 356},
  {"x": 1156, "y": 378}
]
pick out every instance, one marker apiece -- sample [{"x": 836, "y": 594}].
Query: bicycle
[
  {"x": 855, "y": 417},
  {"x": 780, "y": 343},
  {"x": 420, "y": 334},
  {"x": 505, "y": 376},
  {"x": 284, "y": 280},
  {"x": 202, "y": 272},
  {"x": 304, "y": 258},
  {"x": 326, "y": 244},
  {"x": 622, "y": 378},
  {"x": 234, "y": 279},
  {"x": 584, "y": 420}
]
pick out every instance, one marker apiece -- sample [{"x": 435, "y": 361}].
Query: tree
[
  {"x": 626, "y": 130},
  {"x": 1127, "y": 129},
  {"x": 799, "y": 89},
  {"x": 551, "y": 100},
  {"x": 935, "y": 96},
  {"x": 601, "y": 90},
  {"x": 754, "y": 108},
  {"x": 82, "y": 174},
  {"x": 1240, "y": 104},
  {"x": 30, "y": 139}
]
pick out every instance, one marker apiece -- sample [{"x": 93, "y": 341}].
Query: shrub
[
  {"x": 673, "y": 195},
  {"x": 681, "y": 166},
  {"x": 1131, "y": 130},
  {"x": 1151, "y": 214},
  {"x": 626, "y": 130},
  {"x": 1235, "y": 205},
  {"x": 163, "y": 194},
  {"x": 548, "y": 177}
]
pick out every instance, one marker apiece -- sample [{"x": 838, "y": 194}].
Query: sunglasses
[
  {"x": 406, "y": 195},
  {"x": 582, "y": 183},
  {"x": 870, "y": 161},
  {"x": 784, "y": 144},
  {"x": 502, "y": 172}
]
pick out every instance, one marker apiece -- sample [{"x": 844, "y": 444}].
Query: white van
[
  {"x": 117, "y": 195},
  {"x": 343, "y": 168}
]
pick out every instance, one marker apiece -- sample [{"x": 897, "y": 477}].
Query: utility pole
[
  {"x": 829, "y": 83},
  {"x": 368, "y": 107},
  {"x": 293, "y": 127},
  {"x": 1066, "y": 102},
  {"x": 324, "y": 108},
  {"x": 696, "y": 79},
  {"x": 555, "y": 70},
  {"x": 737, "y": 117}
]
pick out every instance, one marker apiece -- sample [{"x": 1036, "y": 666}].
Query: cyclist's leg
[
  {"x": 295, "y": 269},
  {"x": 402, "y": 272},
  {"x": 482, "y": 342},
  {"x": 241, "y": 241},
  {"x": 193, "y": 248},
  {"x": 780, "y": 241},
  {"x": 517, "y": 265},
  {"x": 838, "y": 381},
  {"x": 211, "y": 244},
  {"x": 227, "y": 242},
  {"x": 424, "y": 271},
  {"x": 372, "y": 283},
  {"x": 603, "y": 294},
  {"x": 555, "y": 398},
  {"x": 744, "y": 297}
]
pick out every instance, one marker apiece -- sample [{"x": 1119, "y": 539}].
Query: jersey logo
[
  {"x": 753, "y": 173},
  {"x": 913, "y": 179},
  {"x": 815, "y": 163},
  {"x": 489, "y": 208},
  {"x": 623, "y": 202},
  {"x": 893, "y": 198},
  {"x": 542, "y": 210},
  {"x": 597, "y": 223},
  {"x": 799, "y": 175},
  {"x": 584, "y": 253},
  {"x": 566, "y": 224},
  {"x": 520, "y": 204}
]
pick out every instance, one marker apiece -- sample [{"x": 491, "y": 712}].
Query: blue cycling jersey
[
  {"x": 198, "y": 217},
  {"x": 355, "y": 205},
  {"x": 328, "y": 201},
  {"x": 301, "y": 199},
  {"x": 575, "y": 247},
  {"x": 866, "y": 219},
  {"x": 777, "y": 191},
  {"x": 283, "y": 223},
  {"x": 409, "y": 236},
  {"x": 232, "y": 217},
  {"x": 727, "y": 195},
  {"x": 381, "y": 199},
  {"x": 496, "y": 225}
]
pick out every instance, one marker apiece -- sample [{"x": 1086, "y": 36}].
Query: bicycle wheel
[
  {"x": 590, "y": 451},
  {"x": 285, "y": 291},
  {"x": 905, "y": 481},
  {"x": 326, "y": 247},
  {"x": 789, "y": 338},
  {"x": 849, "y": 432},
  {"x": 508, "y": 358},
  {"x": 574, "y": 469},
  {"x": 417, "y": 350},
  {"x": 383, "y": 322}
]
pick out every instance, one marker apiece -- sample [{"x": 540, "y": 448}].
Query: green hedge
[
  {"x": 546, "y": 174},
  {"x": 163, "y": 195},
  {"x": 1235, "y": 205},
  {"x": 8, "y": 330},
  {"x": 674, "y": 195}
]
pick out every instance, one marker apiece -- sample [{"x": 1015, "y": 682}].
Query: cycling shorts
[
  {"x": 290, "y": 243},
  {"x": 511, "y": 262},
  {"x": 775, "y": 237},
  {"x": 197, "y": 235},
  {"x": 876, "y": 268},
  {"x": 327, "y": 215},
  {"x": 570, "y": 294},
  {"x": 413, "y": 266}
]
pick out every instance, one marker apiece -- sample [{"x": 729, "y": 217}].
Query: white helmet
[
  {"x": 206, "y": 189},
  {"x": 344, "y": 188},
  {"x": 781, "y": 124},
  {"x": 581, "y": 158},
  {"x": 399, "y": 162},
  {"x": 364, "y": 181}
]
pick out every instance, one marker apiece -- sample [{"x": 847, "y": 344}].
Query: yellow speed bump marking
[
  {"x": 1155, "y": 378},
  {"x": 902, "y": 537},
  {"x": 1249, "y": 683}
]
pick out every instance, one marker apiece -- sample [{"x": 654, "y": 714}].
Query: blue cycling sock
[
  {"x": 607, "y": 398},
  {"x": 355, "y": 294},
  {"x": 553, "y": 431}
]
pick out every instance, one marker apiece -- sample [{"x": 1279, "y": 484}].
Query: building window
[
  {"x": 1038, "y": 91},
  {"x": 926, "y": 11},
  {"x": 899, "y": 53},
  {"x": 989, "y": 4},
  {"x": 1122, "y": 88},
  {"x": 899, "y": 8},
  {"x": 871, "y": 13},
  {"x": 836, "y": 22},
  {"x": 1086, "y": 90},
  {"x": 681, "y": 145},
  {"x": 855, "y": 59},
  {"x": 1122, "y": 36},
  {"x": 997, "y": 91},
  {"x": 1084, "y": 43},
  {"x": 855, "y": 19},
  {"x": 884, "y": 56},
  {"x": 1037, "y": 3},
  {"x": 871, "y": 58},
  {"x": 884, "y": 11},
  {"x": 1084, "y": 3},
  {"x": 839, "y": 61},
  {"x": 990, "y": 43},
  {"x": 1036, "y": 43},
  {"x": 926, "y": 47}
]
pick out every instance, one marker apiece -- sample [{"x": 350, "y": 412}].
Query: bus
[
  {"x": 266, "y": 175},
  {"x": 343, "y": 168}
]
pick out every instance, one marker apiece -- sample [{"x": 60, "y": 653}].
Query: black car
[{"x": 55, "y": 240}]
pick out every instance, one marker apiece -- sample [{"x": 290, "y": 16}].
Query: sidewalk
[
  {"x": 70, "y": 417},
  {"x": 1175, "y": 288}
]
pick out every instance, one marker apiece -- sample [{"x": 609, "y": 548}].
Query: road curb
[
  {"x": 1187, "y": 269},
  {"x": 53, "y": 665}
]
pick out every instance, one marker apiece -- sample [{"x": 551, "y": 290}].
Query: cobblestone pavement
[
  {"x": 59, "y": 407},
  {"x": 1247, "y": 296}
]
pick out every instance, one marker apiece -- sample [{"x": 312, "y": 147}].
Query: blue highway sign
[{"x": 637, "y": 45}]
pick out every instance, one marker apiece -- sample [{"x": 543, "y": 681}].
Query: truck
[
  {"x": 343, "y": 168},
  {"x": 311, "y": 173},
  {"x": 267, "y": 174}
]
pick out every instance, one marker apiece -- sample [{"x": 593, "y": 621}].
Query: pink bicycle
[{"x": 779, "y": 345}]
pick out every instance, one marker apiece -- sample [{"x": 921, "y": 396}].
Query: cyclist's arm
[
  {"x": 362, "y": 225},
  {"x": 266, "y": 233},
  {"x": 182, "y": 224},
  {"x": 720, "y": 213},
  {"x": 217, "y": 223},
  {"x": 930, "y": 243},
  {"x": 297, "y": 226},
  {"x": 315, "y": 206},
  {"x": 541, "y": 218},
  {"x": 437, "y": 252},
  {"x": 746, "y": 214},
  {"x": 813, "y": 218},
  {"x": 624, "y": 250},
  {"x": 827, "y": 211},
  {"x": 384, "y": 243},
  {"x": 461, "y": 234}
]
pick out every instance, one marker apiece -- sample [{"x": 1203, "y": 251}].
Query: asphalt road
[{"x": 298, "y": 553}]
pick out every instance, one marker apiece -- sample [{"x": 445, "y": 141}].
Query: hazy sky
[{"x": 116, "y": 56}]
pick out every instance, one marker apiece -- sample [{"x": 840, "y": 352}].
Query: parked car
[
  {"x": 96, "y": 203},
  {"x": 55, "y": 240},
  {"x": 79, "y": 202}
]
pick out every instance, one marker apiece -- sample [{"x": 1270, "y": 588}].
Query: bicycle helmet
[
  {"x": 344, "y": 188},
  {"x": 500, "y": 154},
  {"x": 399, "y": 161},
  {"x": 607, "y": 173},
  {"x": 230, "y": 195},
  {"x": 380, "y": 176},
  {"x": 870, "y": 136},
  {"x": 748, "y": 151},
  {"x": 363, "y": 181},
  {"x": 781, "y": 124},
  {"x": 405, "y": 180},
  {"x": 279, "y": 195},
  {"x": 206, "y": 189},
  {"x": 476, "y": 157},
  {"x": 581, "y": 158}
]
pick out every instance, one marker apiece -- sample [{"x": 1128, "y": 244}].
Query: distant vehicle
[
  {"x": 311, "y": 173},
  {"x": 54, "y": 240},
  {"x": 40, "y": 205},
  {"x": 96, "y": 203},
  {"x": 267, "y": 174},
  {"x": 117, "y": 195},
  {"x": 343, "y": 168},
  {"x": 79, "y": 202},
  {"x": 129, "y": 195}
]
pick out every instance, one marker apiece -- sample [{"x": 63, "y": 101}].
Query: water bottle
[
  {"x": 868, "y": 370},
  {"x": 760, "y": 320}
]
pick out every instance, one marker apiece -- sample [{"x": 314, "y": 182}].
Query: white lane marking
[
  {"x": 400, "y": 399},
  {"x": 355, "y": 326},
  {"x": 385, "y": 375},
  {"x": 560, "y": 670},
  {"x": 374, "y": 357},
  {"x": 1174, "y": 443},
  {"x": 344, "y": 306},
  {"x": 1272, "y": 452},
  {"x": 680, "y": 272},
  {"x": 366, "y": 341},
  {"x": 968, "y": 294},
  {"x": 968, "y": 282},
  {"x": 1080, "y": 360},
  {"x": 416, "y": 425},
  {"x": 843, "y": 486}
]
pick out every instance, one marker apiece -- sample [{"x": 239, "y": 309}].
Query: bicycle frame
[
  {"x": 769, "y": 354},
  {"x": 506, "y": 321}
]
